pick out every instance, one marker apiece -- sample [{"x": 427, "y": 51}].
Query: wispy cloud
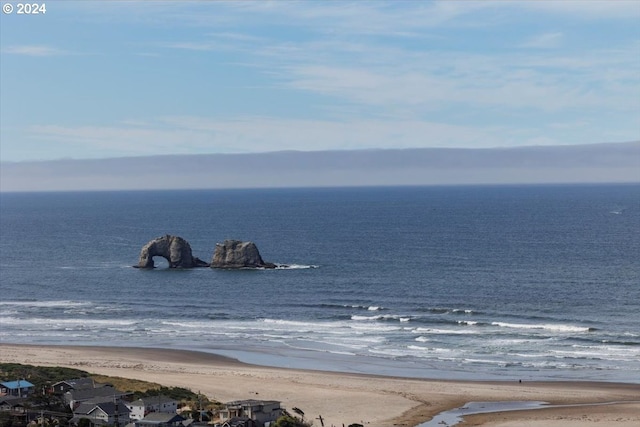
[
  {"x": 591, "y": 9},
  {"x": 432, "y": 80},
  {"x": 544, "y": 41},
  {"x": 189, "y": 134},
  {"x": 349, "y": 62},
  {"x": 33, "y": 50},
  {"x": 203, "y": 135}
]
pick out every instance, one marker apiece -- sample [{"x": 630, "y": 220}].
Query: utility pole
[
  {"x": 115, "y": 403},
  {"x": 321, "y": 420}
]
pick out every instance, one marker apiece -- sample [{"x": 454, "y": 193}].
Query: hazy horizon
[{"x": 588, "y": 163}]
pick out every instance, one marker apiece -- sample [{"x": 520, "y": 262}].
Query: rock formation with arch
[{"x": 174, "y": 249}]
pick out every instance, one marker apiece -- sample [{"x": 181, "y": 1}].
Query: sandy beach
[{"x": 343, "y": 398}]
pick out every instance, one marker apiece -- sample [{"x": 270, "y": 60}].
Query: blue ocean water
[{"x": 496, "y": 282}]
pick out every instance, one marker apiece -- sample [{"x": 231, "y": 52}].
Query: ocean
[{"x": 473, "y": 282}]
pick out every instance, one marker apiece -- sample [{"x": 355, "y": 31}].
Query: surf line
[{"x": 454, "y": 416}]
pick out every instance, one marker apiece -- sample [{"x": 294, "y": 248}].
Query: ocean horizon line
[{"x": 335, "y": 187}]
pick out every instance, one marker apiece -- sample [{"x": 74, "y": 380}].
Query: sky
[{"x": 102, "y": 79}]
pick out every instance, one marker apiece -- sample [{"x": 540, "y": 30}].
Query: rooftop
[{"x": 14, "y": 385}]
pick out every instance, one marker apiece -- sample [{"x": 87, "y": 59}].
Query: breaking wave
[{"x": 548, "y": 327}]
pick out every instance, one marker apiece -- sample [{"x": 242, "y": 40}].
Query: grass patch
[{"x": 126, "y": 384}]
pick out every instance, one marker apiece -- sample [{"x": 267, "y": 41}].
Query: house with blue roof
[{"x": 18, "y": 388}]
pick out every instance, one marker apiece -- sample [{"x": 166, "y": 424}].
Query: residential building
[
  {"x": 160, "y": 419},
  {"x": 75, "y": 384},
  {"x": 262, "y": 412},
  {"x": 239, "y": 422},
  {"x": 105, "y": 413},
  {"x": 95, "y": 395},
  {"x": 146, "y": 405},
  {"x": 12, "y": 404},
  {"x": 19, "y": 388}
]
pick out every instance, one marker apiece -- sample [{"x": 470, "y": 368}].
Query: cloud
[
  {"x": 33, "y": 50},
  {"x": 347, "y": 17},
  {"x": 354, "y": 60},
  {"x": 254, "y": 134},
  {"x": 544, "y": 41},
  {"x": 590, "y": 9},
  {"x": 192, "y": 134},
  {"x": 436, "y": 80}
]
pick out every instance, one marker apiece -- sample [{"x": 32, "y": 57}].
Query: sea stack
[{"x": 238, "y": 254}]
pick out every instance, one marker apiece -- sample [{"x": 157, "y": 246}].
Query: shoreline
[{"x": 373, "y": 400}]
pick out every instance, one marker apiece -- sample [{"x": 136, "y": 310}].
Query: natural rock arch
[
  {"x": 174, "y": 249},
  {"x": 238, "y": 254}
]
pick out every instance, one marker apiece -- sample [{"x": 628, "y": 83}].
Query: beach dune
[{"x": 344, "y": 398}]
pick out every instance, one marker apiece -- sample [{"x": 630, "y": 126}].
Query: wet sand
[{"x": 620, "y": 414}]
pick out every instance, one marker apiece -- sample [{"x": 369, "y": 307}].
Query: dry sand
[{"x": 343, "y": 398}]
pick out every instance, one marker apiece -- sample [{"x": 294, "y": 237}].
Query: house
[
  {"x": 95, "y": 395},
  {"x": 105, "y": 413},
  {"x": 261, "y": 411},
  {"x": 160, "y": 419},
  {"x": 19, "y": 388},
  {"x": 62, "y": 387},
  {"x": 12, "y": 404},
  {"x": 190, "y": 422},
  {"x": 146, "y": 405},
  {"x": 239, "y": 422}
]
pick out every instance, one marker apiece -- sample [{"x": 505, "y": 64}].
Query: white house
[
  {"x": 261, "y": 411},
  {"x": 142, "y": 407}
]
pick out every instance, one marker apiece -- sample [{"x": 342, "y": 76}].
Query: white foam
[
  {"x": 355, "y": 317},
  {"x": 67, "y": 322},
  {"x": 417, "y": 347},
  {"x": 548, "y": 327},
  {"x": 529, "y": 355},
  {"x": 467, "y": 322},
  {"x": 62, "y": 303},
  {"x": 285, "y": 322},
  {"x": 604, "y": 351},
  {"x": 483, "y": 361},
  {"x": 445, "y": 331},
  {"x": 508, "y": 342},
  {"x": 282, "y": 324},
  {"x": 381, "y": 317},
  {"x": 374, "y": 327},
  {"x": 186, "y": 324},
  {"x": 295, "y": 266}
]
